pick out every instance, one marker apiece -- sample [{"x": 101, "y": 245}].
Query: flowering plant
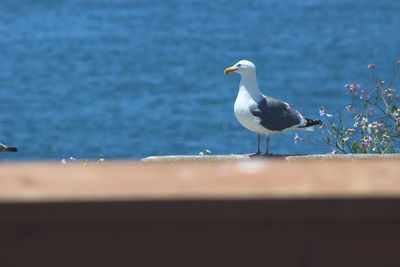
[{"x": 374, "y": 116}]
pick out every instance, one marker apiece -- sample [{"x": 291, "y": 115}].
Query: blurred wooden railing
[{"x": 245, "y": 213}]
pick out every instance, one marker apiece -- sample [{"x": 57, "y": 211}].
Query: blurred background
[{"x": 130, "y": 78}]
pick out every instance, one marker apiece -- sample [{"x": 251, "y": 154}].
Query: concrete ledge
[
  {"x": 180, "y": 158},
  {"x": 350, "y": 157}
]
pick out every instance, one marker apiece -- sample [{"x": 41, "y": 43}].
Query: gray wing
[{"x": 275, "y": 115}]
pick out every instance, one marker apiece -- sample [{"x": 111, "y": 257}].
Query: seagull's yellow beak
[{"x": 230, "y": 70}]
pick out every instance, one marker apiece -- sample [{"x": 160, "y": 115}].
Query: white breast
[
  {"x": 246, "y": 118},
  {"x": 243, "y": 114}
]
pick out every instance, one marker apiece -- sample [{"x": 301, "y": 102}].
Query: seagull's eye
[{"x": 239, "y": 65}]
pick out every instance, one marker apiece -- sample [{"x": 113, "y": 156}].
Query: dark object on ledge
[{"x": 4, "y": 148}]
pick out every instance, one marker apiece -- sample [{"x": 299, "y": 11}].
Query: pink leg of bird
[
  {"x": 258, "y": 147},
  {"x": 266, "y": 148}
]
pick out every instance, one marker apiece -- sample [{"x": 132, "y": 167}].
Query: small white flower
[{"x": 205, "y": 152}]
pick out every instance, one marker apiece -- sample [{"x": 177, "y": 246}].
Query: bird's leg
[
  {"x": 267, "y": 145},
  {"x": 258, "y": 147}
]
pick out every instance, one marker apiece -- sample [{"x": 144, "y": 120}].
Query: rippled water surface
[{"x": 129, "y": 79}]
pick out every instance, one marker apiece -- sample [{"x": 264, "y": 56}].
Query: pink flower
[
  {"x": 296, "y": 138},
  {"x": 371, "y": 66},
  {"x": 348, "y": 107},
  {"x": 349, "y": 131},
  {"x": 353, "y": 87},
  {"x": 322, "y": 112},
  {"x": 388, "y": 90},
  {"x": 375, "y": 125},
  {"x": 366, "y": 140}
]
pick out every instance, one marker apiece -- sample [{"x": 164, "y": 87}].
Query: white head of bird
[{"x": 242, "y": 67}]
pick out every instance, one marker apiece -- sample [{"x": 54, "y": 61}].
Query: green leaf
[
  {"x": 328, "y": 140},
  {"x": 387, "y": 148},
  {"x": 354, "y": 146}
]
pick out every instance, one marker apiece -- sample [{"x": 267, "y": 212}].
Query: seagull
[
  {"x": 263, "y": 114},
  {"x": 4, "y": 148}
]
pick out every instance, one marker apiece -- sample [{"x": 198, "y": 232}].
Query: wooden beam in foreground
[{"x": 248, "y": 213}]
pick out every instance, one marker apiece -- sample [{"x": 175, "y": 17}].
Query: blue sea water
[{"x": 134, "y": 78}]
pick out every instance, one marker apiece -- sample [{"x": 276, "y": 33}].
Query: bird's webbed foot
[{"x": 257, "y": 154}]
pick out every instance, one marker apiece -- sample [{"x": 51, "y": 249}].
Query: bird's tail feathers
[{"x": 310, "y": 124}]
